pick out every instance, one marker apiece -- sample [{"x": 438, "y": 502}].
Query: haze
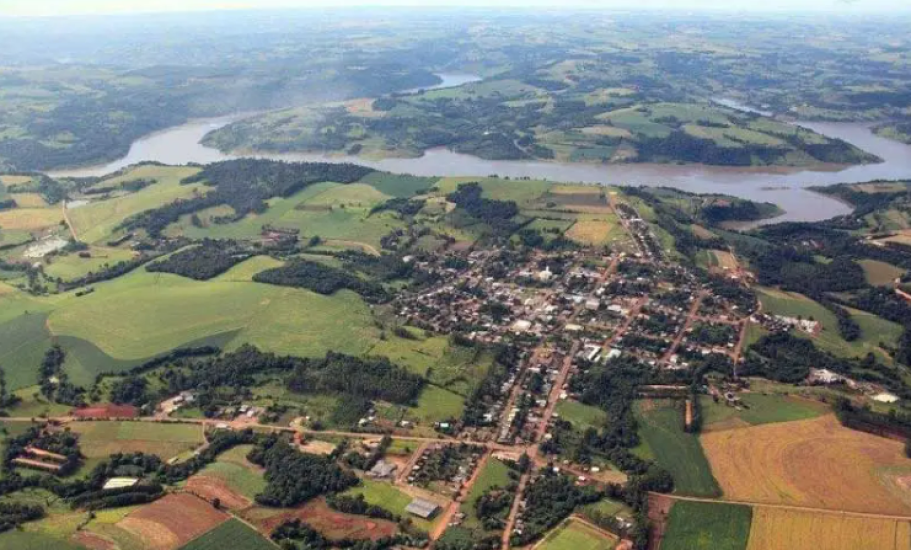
[{"x": 69, "y": 7}]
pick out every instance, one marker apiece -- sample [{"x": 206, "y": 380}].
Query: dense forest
[
  {"x": 204, "y": 261},
  {"x": 322, "y": 279}
]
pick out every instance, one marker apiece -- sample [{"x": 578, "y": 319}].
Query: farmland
[
  {"x": 795, "y": 463},
  {"x": 880, "y": 273},
  {"x": 661, "y": 428},
  {"x": 173, "y": 521},
  {"x": 101, "y": 439},
  {"x": 758, "y": 408},
  {"x": 575, "y": 535},
  {"x": 233, "y": 534},
  {"x": 231, "y": 478},
  {"x": 582, "y": 416},
  {"x": 331, "y": 524},
  {"x": 707, "y": 526},
  {"x": 774, "y": 528}
]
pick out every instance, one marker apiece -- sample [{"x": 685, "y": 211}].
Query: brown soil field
[
  {"x": 902, "y": 237},
  {"x": 702, "y": 232},
  {"x": 29, "y": 200},
  {"x": 171, "y": 522},
  {"x": 659, "y": 508},
  {"x": 815, "y": 463},
  {"x": 725, "y": 259},
  {"x": 210, "y": 488},
  {"x": 333, "y": 525},
  {"x": 774, "y": 529},
  {"x": 107, "y": 411}
]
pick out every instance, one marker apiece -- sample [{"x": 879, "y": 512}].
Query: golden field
[{"x": 774, "y": 529}]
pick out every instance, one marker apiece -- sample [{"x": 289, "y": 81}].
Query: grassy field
[
  {"x": 796, "y": 463},
  {"x": 389, "y": 497},
  {"x": 873, "y": 329},
  {"x": 31, "y": 219},
  {"x": 96, "y": 222},
  {"x": 580, "y": 415},
  {"x": 73, "y": 266},
  {"x": 773, "y": 529},
  {"x": 707, "y": 526},
  {"x": 758, "y": 409},
  {"x": 233, "y": 534},
  {"x": 144, "y": 314},
  {"x": 435, "y": 405},
  {"x": 606, "y": 507},
  {"x": 595, "y": 232},
  {"x": 880, "y": 273},
  {"x": 661, "y": 427},
  {"x": 21, "y": 540},
  {"x": 575, "y": 535},
  {"x": 101, "y": 439},
  {"x": 232, "y": 469},
  {"x": 494, "y": 474}
]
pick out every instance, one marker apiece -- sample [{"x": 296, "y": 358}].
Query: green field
[
  {"x": 72, "y": 266},
  {"x": 759, "y": 409},
  {"x": 435, "y": 405},
  {"x": 232, "y": 534},
  {"x": 101, "y": 439},
  {"x": 661, "y": 428},
  {"x": 232, "y": 469},
  {"x": 574, "y": 535},
  {"x": 707, "y": 526},
  {"x": 21, "y": 540},
  {"x": 580, "y": 415},
  {"x": 873, "y": 329},
  {"x": 494, "y": 474},
  {"x": 389, "y": 497}
]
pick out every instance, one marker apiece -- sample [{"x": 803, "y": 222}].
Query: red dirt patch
[
  {"x": 210, "y": 488},
  {"x": 107, "y": 411},
  {"x": 659, "y": 507},
  {"x": 171, "y": 522},
  {"x": 93, "y": 541},
  {"x": 333, "y": 525}
]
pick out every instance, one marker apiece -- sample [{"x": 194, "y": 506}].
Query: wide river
[{"x": 784, "y": 187}]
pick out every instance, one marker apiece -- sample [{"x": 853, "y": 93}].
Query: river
[{"x": 785, "y": 187}]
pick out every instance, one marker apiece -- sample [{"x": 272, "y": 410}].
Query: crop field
[
  {"x": 232, "y": 534},
  {"x": 581, "y": 416},
  {"x": 522, "y": 192},
  {"x": 101, "y": 439},
  {"x": 707, "y": 526},
  {"x": 594, "y": 232},
  {"x": 231, "y": 478},
  {"x": 398, "y": 185},
  {"x": 30, "y": 219},
  {"x": 817, "y": 463},
  {"x": 661, "y": 428},
  {"x": 758, "y": 409},
  {"x": 331, "y": 524},
  {"x": 95, "y": 222},
  {"x": 575, "y": 535},
  {"x": 22, "y": 540},
  {"x": 773, "y": 529},
  {"x": 880, "y": 273},
  {"x": 172, "y": 521},
  {"x": 143, "y": 314}
]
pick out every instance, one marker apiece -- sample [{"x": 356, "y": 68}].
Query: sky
[{"x": 79, "y": 7}]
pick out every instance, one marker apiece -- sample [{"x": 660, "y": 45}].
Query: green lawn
[
  {"x": 101, "y": 439},
  {"x": 661, "y": 427},
  {"x": 389, "y": 497},
  {"x": 435, "y": 405},
  {"x": 232, "y": 534},
  {"x": 494, "y": 474},
  {"x": 580, "y": 415},
  {"x": 574, "y": 535},
  {"x": 707, "y": 526}
]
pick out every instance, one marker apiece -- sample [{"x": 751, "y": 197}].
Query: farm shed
[{"x": 422, "y": 508}]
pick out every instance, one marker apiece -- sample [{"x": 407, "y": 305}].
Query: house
[
  {"x": 422, "y": 508},
  {"x": 382, "y": 470}
]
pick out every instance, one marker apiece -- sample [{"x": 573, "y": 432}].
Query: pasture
[
  {"x": 594, "y": 232},
  {"x": 773, "y": 529},
  {"x": 880, "y": 273},
  {"x": 581, "y": 416},
  {"x": 391, "y": 498},
  {"x": 576, "y": 535},
  {"x": 494, "y": 474},
  {"x": 31, "y": 219},
  {"x": 233, "y": 534},
  {"x": 23, "y": 540},
  {"x": 661, "y": 428},
  {"x": 171, "y": 522},
  {"x": 101, "y": 439},
  {"x": 707, "y": 526},
  {"x": 817, "y": 463},
  {"x": 758, "y": 409}
]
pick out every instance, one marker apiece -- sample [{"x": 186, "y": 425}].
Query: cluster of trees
[
  {"x": 297, "y": 535},
  {"x": 549, "y": 499},
  {"x": 496, "y": 214},
  {"x": 14, "y": 514},
  {"x": 357, "y": 505},
  {"x": 245, "y": 185},
  {"x": 321, "y": 279},
  {"x": 893, "y": 423},
  {"x": 54, "y": 382},
  {"x": 61, "y": 443},
  {"x": 117, "y": 497},
  {"x": 8, "y": 204},
  {"x": 205, "y": 261},
  {"x": 294, "y": 477},
  {"x": 51, "y": 190},
  {"x": 365, "y": 462},
  {"x": 486, "y": 393},
  {"x": 131, "y": 390},
  {"x": 368, "y": 378},
  {"x": 402, "y": 205}
]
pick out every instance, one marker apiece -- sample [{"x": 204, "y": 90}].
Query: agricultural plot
[
  {"x": 171, "y": 522},
  {"x": 880, "y": 273},
  {"x": 331, "y": 524},
  {"x": 773, "y": 529},
  {"x": 661, "y": 429},
  {"x": 21, "y": 540},
  {"x": 594, "y": 232},
  {"x": 576, "y": 535},
  {"x": 707, "y": 526},
  {"x": 580, "y": 415},
  {"x": 233, "y": 534},
  {"x": 817, "y": 463},
  {"x": 102, "y": 439},
  {"x": 31, "y": 219},
  {"x": 232, "y": 479},
  {"x": 758, "y": 409}
]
